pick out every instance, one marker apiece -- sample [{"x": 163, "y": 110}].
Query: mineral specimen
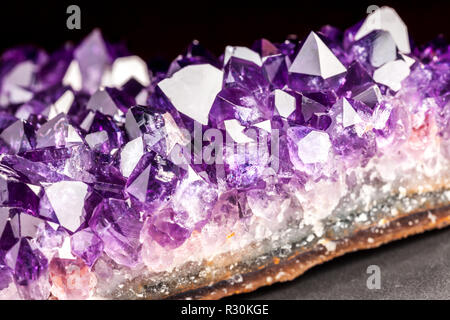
[{"x": 112, "y": 173}]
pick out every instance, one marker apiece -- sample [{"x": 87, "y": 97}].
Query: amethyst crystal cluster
[{"x": 107, "y": 167}]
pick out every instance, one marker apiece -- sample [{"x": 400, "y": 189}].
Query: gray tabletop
[{"x": 413, "y": 268}]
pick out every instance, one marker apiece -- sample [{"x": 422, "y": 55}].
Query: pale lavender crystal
[
  {"x": 93, "y": 58},
  {"x": 167, "y": 228},
  {"x": 50, "y": 237},
  {"x": 228, "y": 209},
  {"x": 118, "y": 225},
  {"x": 309, "y": 149},
  {"x": 87, "y": 245}
]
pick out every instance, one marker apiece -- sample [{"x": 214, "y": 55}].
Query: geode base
[
  {"x": 245, "y": 272},
  {"x": 298, "y": 263}
]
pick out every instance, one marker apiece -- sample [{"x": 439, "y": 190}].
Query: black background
[{"x": 164, "y": 28}]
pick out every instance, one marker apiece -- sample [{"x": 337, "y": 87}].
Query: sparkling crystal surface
[{"x": 111, "y": 169}]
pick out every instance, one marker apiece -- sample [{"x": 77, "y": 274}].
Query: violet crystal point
[{"x": 122, "y": 182}]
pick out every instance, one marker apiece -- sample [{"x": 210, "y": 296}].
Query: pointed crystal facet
[
  {"x": 93, "y": 58},
  {"x": 370, "y": 96},
  {"x": 193, "y": 89},
  {"x": 15, "y": 83},
  {"x": 242, "y": 53},
  {"x": 349, "y": 115},
  {"x": 130, "y": 156},
  {"x": 284, "y": 103},
  {"x": 15, "y": 193},
  {"x": 73, "y": 77},
  {"x": 275, "y": 69},
  {"x": 19, "y": 137},
  {"x": 110, "y": 102},
  {"x": 316, "y": 59}
]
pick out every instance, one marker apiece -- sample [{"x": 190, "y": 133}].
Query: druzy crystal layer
[{"x": 110, "y": 169}]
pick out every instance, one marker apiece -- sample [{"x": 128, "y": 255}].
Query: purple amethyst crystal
[
  {"x": 30, "y": 267},
  {"x": 16, "y": 193},
  {"x": 154, "y": 179},
  {"x": 167, "y": 228}
]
